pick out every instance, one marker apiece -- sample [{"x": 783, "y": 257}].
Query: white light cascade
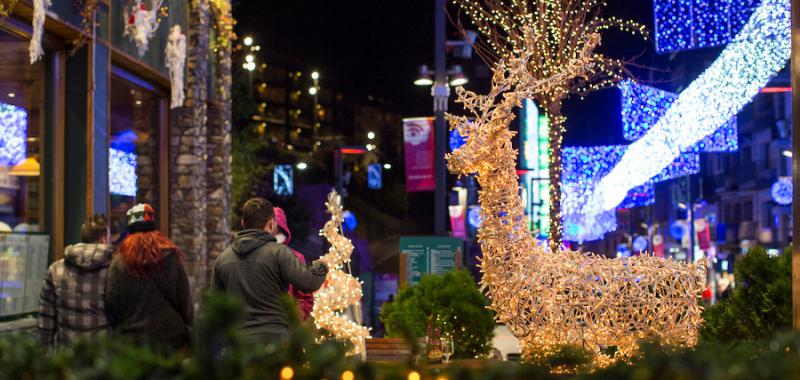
[{"x": 757, "y": 53}]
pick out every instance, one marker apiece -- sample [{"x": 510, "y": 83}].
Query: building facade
[{"x": 88, "y": 129}]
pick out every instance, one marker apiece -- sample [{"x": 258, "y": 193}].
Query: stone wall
[{"x": 188, "y": 153}]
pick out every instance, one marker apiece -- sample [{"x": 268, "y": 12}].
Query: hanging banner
[
  {"x": 703, "y": 234},
  {"x": 418, "y": 142}
]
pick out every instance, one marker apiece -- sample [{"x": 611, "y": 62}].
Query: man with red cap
[{"x": 284, "y": 236}]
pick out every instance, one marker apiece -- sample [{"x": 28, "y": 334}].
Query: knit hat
[{"x": 141, "y": 218}]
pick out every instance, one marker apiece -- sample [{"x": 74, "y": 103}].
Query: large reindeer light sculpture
[{"x": 550, "y": 299}]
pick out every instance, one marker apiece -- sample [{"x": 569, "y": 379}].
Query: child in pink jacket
[{"x": 284, "y": 235}]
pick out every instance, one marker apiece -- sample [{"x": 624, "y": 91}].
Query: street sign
[{"x": 429, "y": 255}]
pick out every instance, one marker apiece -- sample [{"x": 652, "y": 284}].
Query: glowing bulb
[
  {"x": 413, "y": 375},
  {"x": 249, "y": 58},
  {"x": 287, "y": 373},
  {"x": 315, "y": 75},
  {"x": 348, "y": 375},
  {"x": 371, "y": 135},
  {"x": 248, "y": 41},
  {"x": 387, "y": 166},
  {"x": 302, "y": 166},
  {"x": 312, "y": 91}
]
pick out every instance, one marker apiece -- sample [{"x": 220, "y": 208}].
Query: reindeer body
[{"x": 547, "y": 299}]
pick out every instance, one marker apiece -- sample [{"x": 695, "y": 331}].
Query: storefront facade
[{"x": 89, "y": 130}]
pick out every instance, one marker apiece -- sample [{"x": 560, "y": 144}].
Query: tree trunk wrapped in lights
[
  {"x": 549, "y": 300},
  {"x": 556, "y": 32},
  {"x": 341, "y": 290}
]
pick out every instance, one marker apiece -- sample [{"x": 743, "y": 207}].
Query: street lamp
[
  {"x": 312, "y": 91},
  {"x": 457, "y": 78},
  {"x": 371, "y": 135},
  {"x": 424, "y": 78},
  {"x": 454, "y": 77},
  {"x": 248, "y": 41}
]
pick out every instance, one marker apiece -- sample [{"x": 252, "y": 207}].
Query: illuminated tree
[
  {"x": 555, "y": 32},
  {"x": 342, "y": 291}
]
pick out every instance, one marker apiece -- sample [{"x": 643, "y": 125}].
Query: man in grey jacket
[{"x": 258, "y": 270}]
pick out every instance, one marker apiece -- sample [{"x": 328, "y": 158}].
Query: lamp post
[
  {"x": 441, "y": 82},
  {"x": 440, "y": 95}
]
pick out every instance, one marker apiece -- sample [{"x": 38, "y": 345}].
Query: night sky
[{"x": 375, "y": 47}]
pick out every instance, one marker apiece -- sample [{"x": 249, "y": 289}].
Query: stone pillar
[
  {"x": 218, "y": 222},
  {"x": 188, "y": 153}
]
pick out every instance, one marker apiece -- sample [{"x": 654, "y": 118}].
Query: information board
[
  {"x": 429, "y": 255},
  {"x": 23, "y": 265}
]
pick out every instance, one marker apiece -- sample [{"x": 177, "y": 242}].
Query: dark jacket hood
[
  {"x": 248, "y": 241},
  {"x": 88, "y": 257}
]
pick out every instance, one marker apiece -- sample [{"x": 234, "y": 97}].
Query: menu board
[
  {"x": 429, "y": 255},
  {"x": 23, "y": 265}
]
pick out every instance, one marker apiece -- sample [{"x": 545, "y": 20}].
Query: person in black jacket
[
  {"x": 258, "y": 270},
  {"x": 147, "y": 291}
]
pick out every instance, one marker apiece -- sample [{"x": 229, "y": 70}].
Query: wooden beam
[{"x": 795, "y": 73}]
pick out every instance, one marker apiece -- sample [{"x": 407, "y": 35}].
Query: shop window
[
  {"x": 133, "y": 152},
  {"x": 21, "y": 123},
  {"x": 23, "y": 248}
]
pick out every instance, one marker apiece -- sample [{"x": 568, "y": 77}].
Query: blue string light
[
  {"x": 643, "y": 106},
  {"x": 782, "y": 191},
  {"x": 583, "y": 167},
  {"x": 694, "y": 24},
  {"x": 747, "y": 64},
  {"x": 121, "y": 172},
  {"x": 13, "y": 134}
]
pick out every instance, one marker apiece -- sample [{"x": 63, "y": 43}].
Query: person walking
[
  {"x": 258, "y": 271},
  {"x": 71, "y": 303},
  {"x": 283, "y": 235},
  {"x": 148, "y": 296}
]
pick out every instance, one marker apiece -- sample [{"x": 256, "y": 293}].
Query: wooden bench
[{"x": 388, "y": 349}]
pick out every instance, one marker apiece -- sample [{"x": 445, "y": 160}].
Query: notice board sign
[{"x": 423, "y": 255}]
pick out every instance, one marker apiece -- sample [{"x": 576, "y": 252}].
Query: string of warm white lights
[
  {"x": 342, "y": 290},
  {"x": 744, "y": 67},
  {"x": 548, "y": 300}
]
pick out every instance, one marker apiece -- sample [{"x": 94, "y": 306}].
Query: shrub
[
  {"x": 454, "y": 301},
  {"x": 761, "y": 303}
]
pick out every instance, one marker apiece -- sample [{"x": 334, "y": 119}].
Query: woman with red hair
[{"x": 148, "y": 297}]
